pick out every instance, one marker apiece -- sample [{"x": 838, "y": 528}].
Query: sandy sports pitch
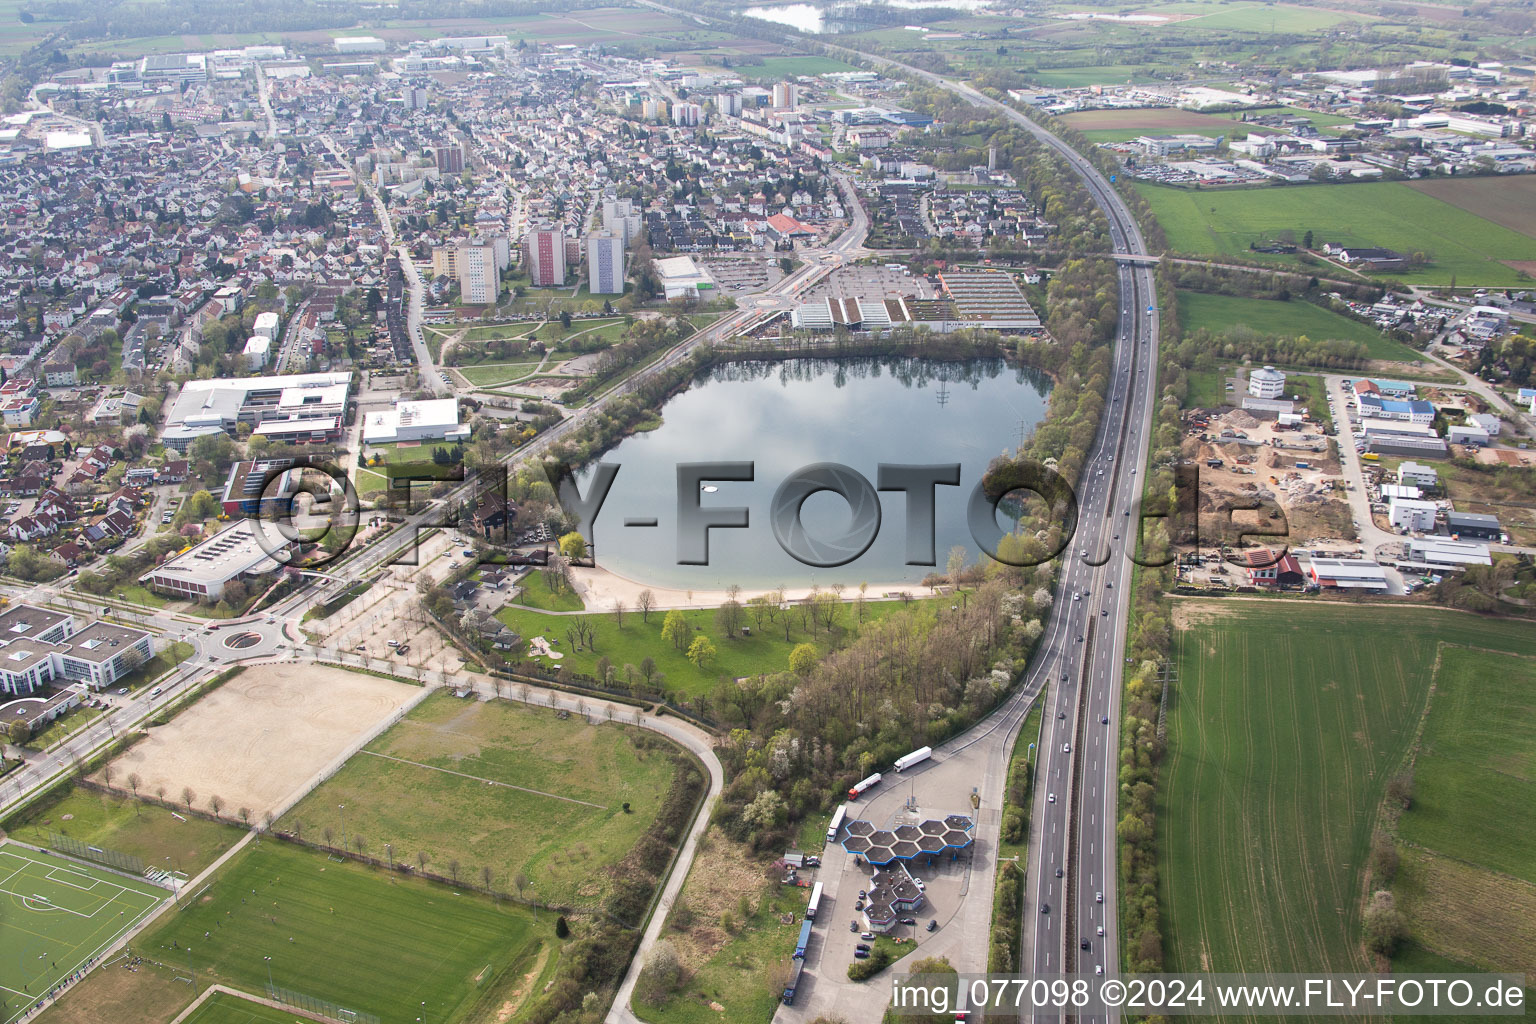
[{"x": 262, "y": 736}]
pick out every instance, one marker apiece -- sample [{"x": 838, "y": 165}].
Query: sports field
[
  {"x": 1286, "y": 724},
  {"x": 57, "y": 915},
  {"x": 223, "y": 1008},
  {"x": 1295, "y": 318},
  {"x": 368, "y": 940},
  {"x": 497, "y": 785},
  {"x": 1459, "y": 244}
]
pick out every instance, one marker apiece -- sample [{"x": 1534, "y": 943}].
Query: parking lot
[
  {"x": 871, "y": 282},
  {"x": 744, "y": 276}
]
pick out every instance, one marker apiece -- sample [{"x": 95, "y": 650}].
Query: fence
[
  {"x": 323, "y": 1007},
  {"x": 125, "y": 862}
]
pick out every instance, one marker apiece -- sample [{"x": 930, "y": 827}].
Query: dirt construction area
[
  {"x": 1243, "y": 458},
  {"x": 261, "y": 737}
]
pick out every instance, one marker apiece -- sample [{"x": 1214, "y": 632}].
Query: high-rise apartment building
[
  {"x": 605, "y": 263},
  {"x": 546, "y": 256}
]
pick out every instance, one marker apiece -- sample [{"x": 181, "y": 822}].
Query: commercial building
[
  {"x": 360, "y": 44},
  {"x": 1418, "y": 475},
  {"x": 174, "y": 67},
  {"x": 39, "y": 646},
  {"x": 1467, "y": 434},
  {"x": 1406, "y": 411},
  {"x": 1473, "y": 525},
  {"x": 680, "y": 276},
  {"x": 1409, "y": 514},
  {"x": 431, "y": 420},
  {"x": 1440, "y": 555},
  {"x": 990, "y": 299},
  {"x": 1348, "y": 574},
  {"x": 308, "y": 406},
  {"x": 1267, "y": 382},
  {"x": 605, "y": 263},
  {"x": 479, "y": 282},
  {"x": 240, "y": 551},
  {"x": 546, "y": 256}
]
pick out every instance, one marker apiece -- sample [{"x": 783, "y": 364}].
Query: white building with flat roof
[
  {"x": 1445, "y": 555},
  {"x": 309, "y": 402},
  {"x": 1348, "y": 574},
  {"x": 1418, "y": 474},
  {"x": 681, "y": 276},
  {"x": 1411, "y": 514},
  {"x": 431, "y": 420},
  {"x": 257, "y": 352},
  {"x": 39, "y": 647},
  {"x": 360, "y": 44},
  {"x": 265, "y": 325},
  {"x": 247, "y": 548}
]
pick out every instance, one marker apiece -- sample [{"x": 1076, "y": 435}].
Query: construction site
[{"x": 1266, "y": 474}]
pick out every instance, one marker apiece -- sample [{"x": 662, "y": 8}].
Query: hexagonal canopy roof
[
  {"x": 882, "y": 838},
  {"x": 855, "y": 844},
  {"x": 930, "y": 844},
  {"x": 879, "y": 855},
  {"x": 932, "y": 828},
  {"x": 957, "y": 838},
  {"x": 859, "y": 827},
  {"x": 905, "y": 849},
  {"x": 908, "y": 831},
  {"x": 959, "y": 821}
]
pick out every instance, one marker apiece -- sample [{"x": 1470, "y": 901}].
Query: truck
[
  {"x": 1303, "y": 465},
  {"x": 795, "y": 966},
  {"x": 804, "y": 942},
  {"x": 837, "y": 822},
  {"x": 860, "y": 787},
  {"x": 815, "y": 904},
  {"x": 917, "y": 756}
]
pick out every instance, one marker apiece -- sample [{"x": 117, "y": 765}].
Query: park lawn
[
  {"x": 1288, "y": 721},
  {"x": 491, "y": 374},
  {"x": 744, "y": 974},
  {"x": 1389, "y": 214},
  {"x": 1294, "y": 318},
  {"x": 497, "y": 332},
  {"x": 370, "y": 940},
  {"x": 562, "y": 846},
  {"x": 143, "y": 830},
  {"x": 764, "y": 651},
  {"x": 533, "y": 592},
  {"x": 138, "y": 593},
  {"x": 167, "y": 658},
  {"x": 1475, "y": 773},
  {"x": 397, "y": 454}
]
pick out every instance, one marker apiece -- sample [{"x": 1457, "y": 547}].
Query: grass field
[
  {"x": 1286, "y": 724},
  {"x": 146, "y": 831},
  {"x": 557, "y": 816},
  {"x": 1296, "y": 317},
  {"x": 766, "y": 650},
  {"x": 58, "y": 915},
  {"x": 490, "y": 374},
  {"x": 533, "y": 591},
  {"x": 782, "y": 67},
  {"x": 1459, "y": 244},
  {"x": 368, "y": 940},
  {"x": 223, "y": 1008}
]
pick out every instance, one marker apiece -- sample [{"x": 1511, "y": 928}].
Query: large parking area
[{"x": 871, "y": 282}]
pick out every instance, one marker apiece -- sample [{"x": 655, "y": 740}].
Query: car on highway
[
  {"x": 1104, "y": 720},
  {"x": 1060, "y": 873},
  {"x": 1098, "y": 968},
  {"x": 1086, "y": 946},
  {"x": 1101, "y": 930},
  {"x": 1066, "y": 748},
  {"x": 1050, "y": 798},
  {"x": 1045, "y": 908},
  {"x": 1098, "y": 897}
]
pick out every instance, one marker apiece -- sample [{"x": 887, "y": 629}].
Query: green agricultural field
[
  {"x": 59, "y": 914},
  {"x": 1295, "y": 318},
  {"x": 502, "y": 786},
  {"x": 1288, "y": 721},
  {"x": 1390, "y": 214},
  {"x": 766, "y": 650},
  {"x": 369, "y": 940},
  {"x": 146, "y": 831},
  {"x": 786, "y": 67}
]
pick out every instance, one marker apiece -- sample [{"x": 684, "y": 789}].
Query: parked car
[
  {"x": 932, "y": 925},
  {"x": 867, "y": 935},
  {"x": 861, "y": 954}
]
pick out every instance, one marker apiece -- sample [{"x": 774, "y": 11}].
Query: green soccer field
[
  {"x": 223, "y": 1008},
  {"x": 54, "y": 916}
]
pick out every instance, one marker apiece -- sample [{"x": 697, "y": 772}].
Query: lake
[
  {"x": 784, "y": 416},
  {"x": 835, "y": 18}
]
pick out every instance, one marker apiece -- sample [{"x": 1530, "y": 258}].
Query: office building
[
  {"x": 621, "y": 218},
  {"x": 546, "y": 256},
  {"x": 360, "y": 44},
  {"x": 605, "y": 263},
  {"x": 39, "y": 646},
  {"x": 687, "y": 115},
  {"x": 430, "y": 420},
  {"x": 1266, "y": 383}
]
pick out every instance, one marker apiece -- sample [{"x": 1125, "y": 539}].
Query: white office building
[
  {"x": 605, "y": 263},
  {"x": 431, "y": 420},
  {"x": 1266, "y": 383},
  {"x": 1418, "y": 474},
  {"x": 1411, "y": 514},
  {"x": 39, "y": 647}
]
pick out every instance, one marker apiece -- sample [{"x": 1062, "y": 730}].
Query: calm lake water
[
  {"x": 835, "y": 18},
  {"x": 786, "y": 416}
]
